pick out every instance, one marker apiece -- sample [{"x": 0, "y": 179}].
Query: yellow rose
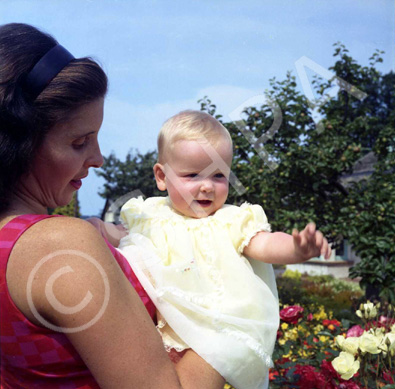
[
  {"x": 370, "y": 343},
  {"x": 345, "y": 365},
  {"x": 351, "y": 345},
  {"x": 340, "y": 340},
  {"x": 284, "y": 326},
  {"x": 367, "y": 311}
]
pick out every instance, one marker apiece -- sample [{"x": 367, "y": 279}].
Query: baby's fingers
[
  {"x": 297, "y": 237},
  {"x": 310, "y": 229},
  {"x": 319, "y": 239},
  {"x": 326, "y": 250}
]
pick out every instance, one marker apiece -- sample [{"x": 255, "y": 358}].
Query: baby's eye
[
  {"x": 219, "y": 175},
  {"x": 191, "y": 175}
]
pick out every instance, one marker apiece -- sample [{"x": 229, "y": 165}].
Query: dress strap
[{"x": 10, "y": 234}]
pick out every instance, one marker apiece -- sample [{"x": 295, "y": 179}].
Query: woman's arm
[
  {"x": 282, "y": 248},
  {"x": 82, "y": 289}
]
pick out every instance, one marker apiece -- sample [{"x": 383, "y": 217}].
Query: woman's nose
[{"x": 96, "y": 158}]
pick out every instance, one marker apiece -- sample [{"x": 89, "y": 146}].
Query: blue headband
[{"x": 46, "y": 69}]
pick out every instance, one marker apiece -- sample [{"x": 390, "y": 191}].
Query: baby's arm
[
  {"x": 112, "y": 232},
  {"x": 282, "y": 248}
]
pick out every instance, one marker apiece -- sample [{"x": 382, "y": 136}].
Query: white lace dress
[{"x": 209, "y": 296}]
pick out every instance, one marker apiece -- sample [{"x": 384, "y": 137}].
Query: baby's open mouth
[{"x": 204, "y": 203}]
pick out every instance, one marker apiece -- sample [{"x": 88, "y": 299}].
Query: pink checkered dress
[{"x": 33, "y": 356}]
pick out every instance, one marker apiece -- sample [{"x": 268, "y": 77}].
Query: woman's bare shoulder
[
  {"x": 53, "y": 247},
  {"x": 60, "y": 233}
]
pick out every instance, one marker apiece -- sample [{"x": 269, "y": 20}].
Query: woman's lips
[{"x": 76, "y": 183}]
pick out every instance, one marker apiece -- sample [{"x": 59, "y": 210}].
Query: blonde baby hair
[{"x": 190, "y": 125}]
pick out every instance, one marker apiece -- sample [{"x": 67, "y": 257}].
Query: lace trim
[
  {"x": 168, "y": 342},
  {"x": 251, "y": 343},
  {"x": 200, "y": 299},
  {"x": 263, "y": 227}
]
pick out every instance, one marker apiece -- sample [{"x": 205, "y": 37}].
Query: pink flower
[
  {"x": 355, "y": 331},
  {"x": 291, "y": 314},
  {"x": 310, "y": 317},
  {"x": 385, "y": 322}
]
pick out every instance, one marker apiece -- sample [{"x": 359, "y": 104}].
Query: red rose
[
  {"x": 388, "y": 377},
  {"x": 273, "y": 374},
  {"x": 291, "y": 314},
  {"x": 328, "y": 370},
  {"x": 282, "y": 361},
  {"x": 348, "y": 385},
  {"x": 309, "y": 378},
  {"x": 279, "y": 334},
  {"x": 330, "y": 375},
  {"x": 327, "y": 323}
]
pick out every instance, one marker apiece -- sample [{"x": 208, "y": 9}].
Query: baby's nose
[{"x": 207, "y": 186}]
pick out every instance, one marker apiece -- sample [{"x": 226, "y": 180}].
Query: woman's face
[{"x": 63, "y": 160}]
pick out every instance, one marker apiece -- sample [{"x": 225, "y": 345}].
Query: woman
[{"x": 72, "y": 316}]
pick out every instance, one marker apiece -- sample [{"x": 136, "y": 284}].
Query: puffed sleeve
[
  {"x": 131, "y": 212},
  {"x": 246, "y": 223},
  {"x": 150, "y": 227}
]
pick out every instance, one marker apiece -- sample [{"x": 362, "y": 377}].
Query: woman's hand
[{"x": 112, "y": 232}]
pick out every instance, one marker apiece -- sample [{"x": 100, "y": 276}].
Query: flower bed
[
  {"x": 330, "y": 338},
  {"x": 316, "y": 351}
]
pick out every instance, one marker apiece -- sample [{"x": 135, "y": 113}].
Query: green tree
[
  {"x": 369, "y": 219},
  {"x": 134, "y": 174},
  {"x": 306, "y": 182}
]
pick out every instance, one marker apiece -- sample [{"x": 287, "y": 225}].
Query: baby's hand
[{"x": 310, "y": 243}]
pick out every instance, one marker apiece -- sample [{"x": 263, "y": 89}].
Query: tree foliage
[
  {"x": 307, "y": 183},
  {"x": 135, "y": 174}
]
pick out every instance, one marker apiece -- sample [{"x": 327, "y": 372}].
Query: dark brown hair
[{"x": 25, "y": 122}]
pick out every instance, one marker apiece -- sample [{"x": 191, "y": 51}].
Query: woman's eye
[
  {"x": 219, "y": 175},
  {"x": 80, "y": 144}
]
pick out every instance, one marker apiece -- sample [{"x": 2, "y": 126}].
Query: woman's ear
[{"x": 160, "y": 176}]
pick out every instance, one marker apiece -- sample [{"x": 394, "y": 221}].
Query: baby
[{"x": 207, "y": 265}]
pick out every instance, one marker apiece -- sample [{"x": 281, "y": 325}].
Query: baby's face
[{"x": 197, "y": 176}]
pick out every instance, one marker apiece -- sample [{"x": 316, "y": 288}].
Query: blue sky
[{"x": 162, "y": 56}]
